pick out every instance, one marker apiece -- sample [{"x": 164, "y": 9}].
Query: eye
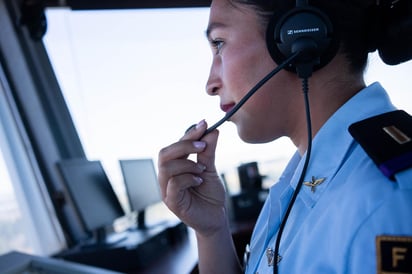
[{"x": 217, "y": 45}]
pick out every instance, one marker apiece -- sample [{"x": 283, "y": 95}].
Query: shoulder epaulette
[{"x": 387, "y": 139}]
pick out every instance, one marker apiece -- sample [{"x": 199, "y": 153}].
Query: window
[
  {"x": 134, "y": 80},
  {"x": 27, "y": 221},
  {"x": 12, "y": 234}
]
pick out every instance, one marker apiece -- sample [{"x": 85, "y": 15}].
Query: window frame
[{"x": 45, "y": 119}]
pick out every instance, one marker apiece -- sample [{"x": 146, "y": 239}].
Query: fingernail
[
  {"x": 200, "y": 124},
  {"x": 199, "y": 144},
  {"x": 198, "y": 179}
]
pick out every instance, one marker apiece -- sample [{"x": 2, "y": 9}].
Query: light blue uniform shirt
[{"x": 334, "y": 228}]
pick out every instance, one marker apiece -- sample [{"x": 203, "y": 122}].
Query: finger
[
  {"x": 194, "y": 132},
  {"x": 175, "y": 168},
  {"x": 177, "y": 188},
  {"x": 180, "y": 150},
  {"x": 207, "y": 156}
]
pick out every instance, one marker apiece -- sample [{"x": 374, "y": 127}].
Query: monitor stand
[
  {"x": 102, "y": 239},
  {"x": 142, "y": 225},
  {"x": 141, "y": 220}
]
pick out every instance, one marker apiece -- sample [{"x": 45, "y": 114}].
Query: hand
[{"x": 193, "y": 189}]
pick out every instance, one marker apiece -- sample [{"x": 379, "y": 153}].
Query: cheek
[
  {"x": 246, "y": 67},
  {"x": 234, "y": 70},
  {"x": 264, "y": 117},
  {"x": 255, "y": 117}
]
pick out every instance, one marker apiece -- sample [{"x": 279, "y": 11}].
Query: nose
[{"x": 214, "y": 82}]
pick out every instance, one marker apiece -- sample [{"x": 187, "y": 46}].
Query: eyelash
[{"x": 217, "y": 45}]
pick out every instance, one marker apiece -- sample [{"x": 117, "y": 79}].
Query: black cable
[
  {"x": 249, "y": 94},
  {"x": 305, "y": 89}
]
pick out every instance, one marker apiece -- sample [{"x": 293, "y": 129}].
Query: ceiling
[{"x": 125, "y": 4}]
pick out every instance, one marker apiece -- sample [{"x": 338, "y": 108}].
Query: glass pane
[
  {"x": 12, "y": 233},
  {"x": 134, "y": 81}
]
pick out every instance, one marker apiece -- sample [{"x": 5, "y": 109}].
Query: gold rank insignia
[
  {"x": 394, "y": 254},
  {"x": 314, "y": 183}
]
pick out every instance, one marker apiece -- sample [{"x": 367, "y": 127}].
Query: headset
[
  {"x": 393, "y": 30},
  {"x": 309, "y": 28},
  {"x": 303, "y": 28},
  {"x": 308, "y": 32}
]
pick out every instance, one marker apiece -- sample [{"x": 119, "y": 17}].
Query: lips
[{"x": 227, "y": 107}]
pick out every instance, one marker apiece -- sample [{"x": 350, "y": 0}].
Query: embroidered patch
[{"x": 394, "y": 254}]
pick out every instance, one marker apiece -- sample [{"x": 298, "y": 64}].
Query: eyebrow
[{"x": 213, "y": 26}]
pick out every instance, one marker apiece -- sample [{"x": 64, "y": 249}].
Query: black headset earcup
[
  {"x": 304, "y": 29},
  {"x": 395, "y": 35}
]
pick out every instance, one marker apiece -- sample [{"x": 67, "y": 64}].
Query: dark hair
[{"x": 361, "y": 25}]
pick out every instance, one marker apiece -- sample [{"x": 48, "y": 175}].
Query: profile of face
[{"x": 240, "y": 60}]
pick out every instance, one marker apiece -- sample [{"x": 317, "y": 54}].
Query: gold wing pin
[{"x": 314, "y": 183}]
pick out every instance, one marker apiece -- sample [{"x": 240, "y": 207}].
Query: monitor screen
[
  {"x": 92, "y": 193},
  {"x": 141, "y": 183}
]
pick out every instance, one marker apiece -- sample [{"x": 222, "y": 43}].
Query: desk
[{"x": 181, "y": 258}]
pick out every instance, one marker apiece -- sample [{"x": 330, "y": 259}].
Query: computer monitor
[
  {"x": 142, "y": 186},
  {"x": 92, "y": 194}
]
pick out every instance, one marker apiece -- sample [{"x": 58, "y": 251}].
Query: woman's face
[{"x": 240, "y": 60}]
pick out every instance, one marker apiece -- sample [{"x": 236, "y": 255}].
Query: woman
[{"x": 345, "y": 204}]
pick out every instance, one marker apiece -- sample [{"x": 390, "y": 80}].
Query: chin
[{"x": 253, "y": 137}]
